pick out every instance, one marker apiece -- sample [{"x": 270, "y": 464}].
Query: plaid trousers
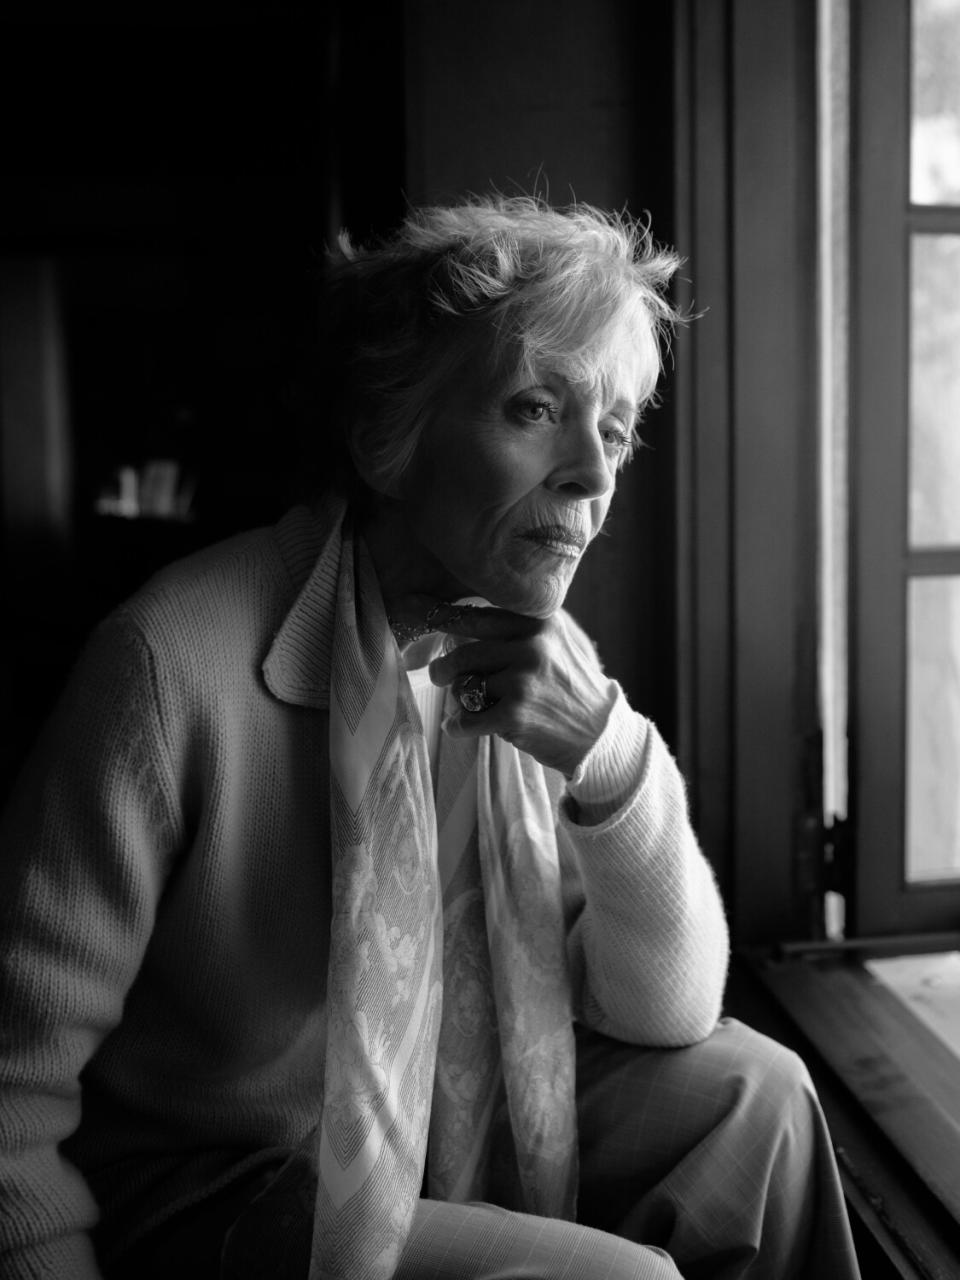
[{"x": 708, "y": 1161}]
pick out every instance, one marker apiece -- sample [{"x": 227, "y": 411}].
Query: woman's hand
[{"x": 550, "y": 696}]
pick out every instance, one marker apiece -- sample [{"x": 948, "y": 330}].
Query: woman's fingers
[
  {"x": 532, "y": 681},
  {"x": 482, "y": 656},
  {"x": 493, "y": 640}
]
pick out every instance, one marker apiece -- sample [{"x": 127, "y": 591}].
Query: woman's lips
[{"x": 558, "y": 538}]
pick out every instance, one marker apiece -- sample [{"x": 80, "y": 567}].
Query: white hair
[{"x": 509, "y": 278}]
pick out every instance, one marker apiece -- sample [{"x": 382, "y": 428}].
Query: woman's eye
[
  {"x": 536, "y": 410},
  {"x": 617, "y": 435}
]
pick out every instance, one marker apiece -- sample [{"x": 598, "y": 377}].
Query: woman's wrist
[{"x": 611, "y": 770}]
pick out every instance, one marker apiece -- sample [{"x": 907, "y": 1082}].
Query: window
[
  {"x": 819, "y": 472},
  {"x": 820, "y": 570},
  {"x": 905, "y": 467}
]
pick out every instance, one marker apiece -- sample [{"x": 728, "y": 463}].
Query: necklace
[{"x": 408, "y": 632}]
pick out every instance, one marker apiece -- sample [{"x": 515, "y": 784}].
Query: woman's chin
[{"x": 533, "y": 597}]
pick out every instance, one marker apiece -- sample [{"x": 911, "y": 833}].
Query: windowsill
[
  {"x": 928, "y": 985},
  {"x": 889, "y": 1086}
]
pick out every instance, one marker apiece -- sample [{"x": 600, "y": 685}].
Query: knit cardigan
[{"x": 165, "y": 906}]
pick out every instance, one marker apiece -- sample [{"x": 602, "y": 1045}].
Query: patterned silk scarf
[
  {"x": 503, "y": 1121},
  {"x": 490, "y": 1080}
]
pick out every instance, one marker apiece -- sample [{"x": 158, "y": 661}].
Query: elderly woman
[{"x": 352, "y": 921}]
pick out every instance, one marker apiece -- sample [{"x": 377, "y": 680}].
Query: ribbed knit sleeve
[
  {"x": 648, "y": 941},
  {"x": 84, "y": 851}
]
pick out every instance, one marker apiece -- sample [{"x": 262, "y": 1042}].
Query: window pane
[
  {"x": 935, "y": 123},
  {"x": 933, "y": 729},
  {"x": 935, "y": 391}
]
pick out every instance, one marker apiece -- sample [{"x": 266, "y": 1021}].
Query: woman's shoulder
[{"x": 228, "y": 595}]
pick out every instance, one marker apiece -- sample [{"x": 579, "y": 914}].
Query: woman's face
[{"x": 511, "y": 483}]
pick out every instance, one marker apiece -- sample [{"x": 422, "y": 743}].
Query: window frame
[
  {"x": 750, "y": 734},
  {"x": 882, "y": 564},
  {"x": 747, "y": 461}
]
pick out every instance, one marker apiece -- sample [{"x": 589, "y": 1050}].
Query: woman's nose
[{"x": 582, "y": 468}]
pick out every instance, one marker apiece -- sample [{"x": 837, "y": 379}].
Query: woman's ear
[{"x": 361, "y": 455}]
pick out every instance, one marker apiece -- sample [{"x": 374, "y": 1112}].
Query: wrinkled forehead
[
  {"x": 616, "y": 358},
  {"x": 622, "y": 361}
]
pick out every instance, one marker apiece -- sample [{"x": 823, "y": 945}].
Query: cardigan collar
[
  {"x": 298, "y": 662},
  {"x": 297, "y": 666}
]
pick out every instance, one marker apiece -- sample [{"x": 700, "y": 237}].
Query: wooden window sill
[{"x": 890, "y": 1089}]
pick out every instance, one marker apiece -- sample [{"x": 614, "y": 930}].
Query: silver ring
[{"x": 472, "y": 694}]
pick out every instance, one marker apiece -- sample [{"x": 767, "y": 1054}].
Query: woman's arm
[
  {"x": 647, "y": 938},
  {"x": 86, "y": 841}
]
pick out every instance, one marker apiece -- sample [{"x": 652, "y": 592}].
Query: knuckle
[
  {"x": 526, "y": 684},
  {"x": 530, "y": 655},
  {"x": 512, "y": 718}
]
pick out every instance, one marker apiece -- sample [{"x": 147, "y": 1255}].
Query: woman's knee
[
  {"x": 731, "y": 1060},
  {"x": 706, "y": 1127},
  {"x": 759, "y": 1071},
  {"x": 661, "y": 1104},
  {"x": 484, "y": 1242}
]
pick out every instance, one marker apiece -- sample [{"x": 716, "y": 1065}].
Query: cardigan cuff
[{"x": 612, "y": 769}]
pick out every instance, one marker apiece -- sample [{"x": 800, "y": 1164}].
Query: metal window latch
[
  {"x": 835, "y": 853},
  {"x": 823, "y": 852}
]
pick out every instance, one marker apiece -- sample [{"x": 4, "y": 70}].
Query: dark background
[
  {"x": 180, "y": 169},
  {"x": 185, "y": 176}
]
